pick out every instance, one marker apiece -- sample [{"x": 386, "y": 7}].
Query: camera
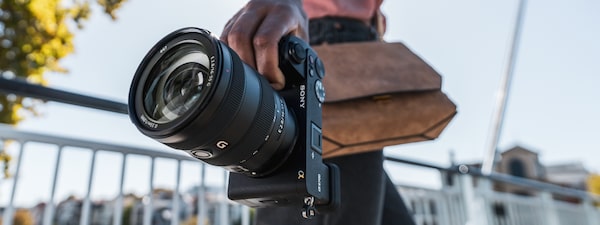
[{"x": 193, "y": 93}]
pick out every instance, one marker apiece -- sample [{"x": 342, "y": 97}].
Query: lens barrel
[{"x": 193, "y": 93}]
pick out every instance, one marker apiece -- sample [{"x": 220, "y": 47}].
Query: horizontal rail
[
  {"x": 503, "y": 178},
  {"x": 529, "y": 183},
  {"x": 421, "y": 164},
  {"x": 25, "y": 89},
  {"x": 23, "y": 137}
]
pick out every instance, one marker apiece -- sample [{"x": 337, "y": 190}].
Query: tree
[{"x": 34, "y": 36}]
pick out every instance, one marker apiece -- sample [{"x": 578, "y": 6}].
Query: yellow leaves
[
  {"x": 16, "y": 116},
  {"x": 110, "y": 6},
  {"x": 26, "y": 48},
  {"x": 37, "y": 79},
  {"x": 47, "y": 13},
  {"x": 5, "y": 159},
  {"x": 80, "y": 12},
  {"x": 34, "y": 36}
]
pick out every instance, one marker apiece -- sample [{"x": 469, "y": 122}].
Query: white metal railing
[
  {"x": 468, "y": 203},
  {"x": 466, "y": 200},
  {"x": 23, "y": 139}
]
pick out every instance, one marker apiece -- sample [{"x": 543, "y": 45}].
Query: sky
[{"x": 553, "y": 104}]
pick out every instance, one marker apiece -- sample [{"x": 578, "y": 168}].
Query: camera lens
[
  {"x": 193, "y": 93},
  {"x": 178, "y": 83}
]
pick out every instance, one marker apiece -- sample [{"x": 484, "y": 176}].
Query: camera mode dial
[{"x": 320, "y": 91}]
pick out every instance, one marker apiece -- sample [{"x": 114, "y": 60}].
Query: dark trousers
[
  {"x": 368, "y": 195},
  {"x": 368, "y": 198}
]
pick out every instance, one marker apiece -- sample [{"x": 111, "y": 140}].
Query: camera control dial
[
  {"x": 320, "y": 91},
  {"x": 320, "y": 68},
  {"x": 297, "y": 52}
]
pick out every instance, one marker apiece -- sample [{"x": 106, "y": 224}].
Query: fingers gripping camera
[{"x": 193, "y": 93}]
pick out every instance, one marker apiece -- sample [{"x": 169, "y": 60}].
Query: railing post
[
  {"x": 202, "y": 197},
  {"x": 453, "y": 211},
  {"x": 148, "y": 208},
  {"x": 591, "y": 212},
  {"x": 468, "y": 193},
  {"x": 49, "y": 210},
  {"x": 473, "y": 204},
  {"x": 223, "y": 205},
  {"x": 246, "y": 215},
  {"x": 549, "y": 208},
  {"x": 176, "y": 202},
  {"x": 86, "y": 209},
  {"x": 117, "y": 219},
  {"x": 7, "y": 218}
]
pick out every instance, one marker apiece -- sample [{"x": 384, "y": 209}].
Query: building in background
[
  {"x": 573, "y": 175},
  {"x": 521, "y": 162}
]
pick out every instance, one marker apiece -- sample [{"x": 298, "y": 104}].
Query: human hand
[{"x": 254, "y": 33}]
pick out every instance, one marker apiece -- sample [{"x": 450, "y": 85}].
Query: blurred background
[{"x": 552, "y": 109}]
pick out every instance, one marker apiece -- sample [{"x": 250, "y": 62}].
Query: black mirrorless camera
[{"x": 193, "y": 93}]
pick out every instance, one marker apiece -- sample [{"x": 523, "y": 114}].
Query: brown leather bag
[{"x": 379, "y": 94}]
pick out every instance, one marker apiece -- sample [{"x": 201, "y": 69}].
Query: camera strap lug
[{"x": 309, "y": 210}]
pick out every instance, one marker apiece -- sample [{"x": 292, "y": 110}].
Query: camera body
[
  {"x": 193, "y": 93},
  {"x": 303, "y": 175}
]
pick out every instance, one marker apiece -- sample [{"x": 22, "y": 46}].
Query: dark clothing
[
  {"x": 337, "y": 30},
  {"x": 368, "y": 196}
]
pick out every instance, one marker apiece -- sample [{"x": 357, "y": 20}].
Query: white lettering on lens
[
  {"x": 303, "y": 96},
  {"x": 282, "y": 120},
  {"x": 163, "y": 49},
  {"x": 222, "y": 144},
  {"x": 147, "y": 122},
  {"x": 212, "y": 65},
  {"x": 212, "y": 71}
]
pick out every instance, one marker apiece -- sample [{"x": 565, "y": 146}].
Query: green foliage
[{"x": 34, "y": 36}]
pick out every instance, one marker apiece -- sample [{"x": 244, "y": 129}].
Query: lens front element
[{"x": 176, "y": 83}]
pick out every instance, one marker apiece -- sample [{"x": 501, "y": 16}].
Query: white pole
[
  {"x": 148, "y": 208},
  {"x": 117, "y": 219},
  {"x": 8, "y": 213},
  {"x": 49, "y": 210},
  {"x": 87, "y": 202},
  {"x": 498, "y": 118}
]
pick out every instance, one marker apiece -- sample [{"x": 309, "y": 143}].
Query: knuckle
[
  {"x": 237, "y": 35},
  {"x": 253, "y": 4},
  {"x": 263, "y": 41}
]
